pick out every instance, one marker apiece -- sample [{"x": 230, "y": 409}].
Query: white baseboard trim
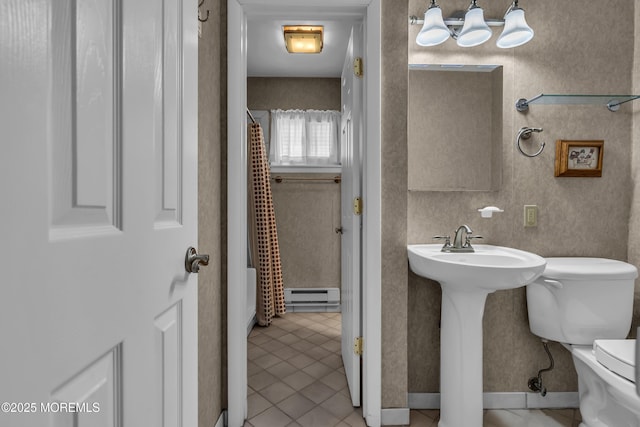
[
  {"x": 250, "y": 324},
  {"x": 222, "y": 419},
  {"x": 569, "y": 399},
  {"x": 515, "y": 400},
  {"x": 395, "y": 417}
]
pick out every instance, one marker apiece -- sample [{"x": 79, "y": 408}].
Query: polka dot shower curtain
[{"x": 263, "y": 237}]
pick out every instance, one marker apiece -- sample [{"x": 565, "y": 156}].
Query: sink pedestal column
[{"x": 461, "y": 356}]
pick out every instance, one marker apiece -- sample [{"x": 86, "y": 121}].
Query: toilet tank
[{"x": 578, "y": 300}]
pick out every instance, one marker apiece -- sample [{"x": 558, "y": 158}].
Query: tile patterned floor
[{"x": 296, "y": 378}]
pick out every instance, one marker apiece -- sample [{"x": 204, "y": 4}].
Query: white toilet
[{"x": 587, "y": 304}]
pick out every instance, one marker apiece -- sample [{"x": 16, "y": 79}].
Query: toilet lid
[
  {"x": 618, "y": 356},
  {"x": 577, "y": 268}
]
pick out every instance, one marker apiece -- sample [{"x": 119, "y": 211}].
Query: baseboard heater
[{"x": 312, "y": 299}]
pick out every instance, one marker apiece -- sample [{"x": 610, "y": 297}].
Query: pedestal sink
[{"x": 466, "y": 280}]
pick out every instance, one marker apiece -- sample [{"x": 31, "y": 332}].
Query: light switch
[{"x": 530, "y": 215}]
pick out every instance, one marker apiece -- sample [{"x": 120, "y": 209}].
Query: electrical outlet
[{"x": 530, "y": 215}]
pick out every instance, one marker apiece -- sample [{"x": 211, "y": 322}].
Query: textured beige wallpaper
[
  {"x": 266, "y": 93},
  {"x": 634, "y": 221},
  {"x": 211, "y": 86},
  {"x": 307, "y": 213},
  {"x": 394, "y": 204},
  {"x": 577, "y": 216}
]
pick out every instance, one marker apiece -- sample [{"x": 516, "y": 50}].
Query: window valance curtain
[{"x": 305, "y": 137}]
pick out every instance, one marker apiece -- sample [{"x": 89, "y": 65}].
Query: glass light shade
[
  {"x": 303, "y": 39},
  {"x": 474, "y": 31},
  {"x": 434, "y": 31},
  {"x": 516, "y": 30}
]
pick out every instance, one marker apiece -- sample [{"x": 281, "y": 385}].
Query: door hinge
[
  {"x": 357, "y": 206},
  {"x": 357, "y": 346},
  {"x": 358, "y": 68}
]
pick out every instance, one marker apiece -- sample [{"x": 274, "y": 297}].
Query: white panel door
[
  {"x": 98, "y": 185},
  {"x": 351, "y": 222}
]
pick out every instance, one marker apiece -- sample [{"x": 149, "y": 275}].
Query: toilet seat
[{"x": 618, "y": 356}]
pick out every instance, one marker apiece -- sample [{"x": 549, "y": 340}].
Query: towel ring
[{"x": 525, "y": 133}]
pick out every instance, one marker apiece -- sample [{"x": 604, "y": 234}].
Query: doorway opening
[
  {"x": 238, "y": 15},
  {"x": 305, "y": 106}
]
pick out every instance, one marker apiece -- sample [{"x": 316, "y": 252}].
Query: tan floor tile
[
  {"x": 271, "y": 346},
  {"x": 267, "y": 360},
  {"x": 335, "y": 380},
  {"x": 303, "y": 333},
  {"x": 318, "y": 417},
  {"x": 270, "y": 418},
  {"x": 296, "y": 405},
  {"x": 285, "y": 352},
  {"x": 255, "y": 331},
  {"x": 289, "y": 326},
  {"x": 275, "y": 332},
  {"x": 298, "y": 380},
  {"x": 419, "y": 419},
  {"x": 303, "y": 346},
  {"x": 317, "y": 369},
  {"x": 294, "y": 343},
  {"x": 277, "y": 392},
  {"x": 257, "y": 404},
  {"x": 260, "y": 339},
  {"x": 338, "y": 405},
  {"x": 252, "y": 368},
  {"x": 301, "y": 361},
  {"x": 318, "y": 339},
  {"x": 355, "y": 420},
  {"x": 331, "y": 346},
  {"x": 318, "y": 327},
  {"x": 261, "y": 380},
  {"x": 282, "y": 369},
  {"x": 333, "y": 361},
  {"x": 434, "y": 414},
  {"x": 319, "y": 353},
  {"x": 289, "y": 339},
  {"x": 255, "y": 352},
  {"x": 318, "y": 392}
]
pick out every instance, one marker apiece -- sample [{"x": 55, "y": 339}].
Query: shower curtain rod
[
  {"x": 280, "y": 179},
  {"x": 250, "y": 116}
]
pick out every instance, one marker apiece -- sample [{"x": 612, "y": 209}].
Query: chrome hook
[
  {"x": 207, "y": 17},
  {"x": 525, "y": 133}
]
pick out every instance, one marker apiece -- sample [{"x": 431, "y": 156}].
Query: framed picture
[{"x": 579, "y": 158}]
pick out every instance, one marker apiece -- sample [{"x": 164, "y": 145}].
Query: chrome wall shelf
[{"x": 612, "y": 102}]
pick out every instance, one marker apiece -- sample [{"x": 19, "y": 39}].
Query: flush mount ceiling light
[
  {"x": 303, "y": 38},
  {"x": 475, "y": 28}
]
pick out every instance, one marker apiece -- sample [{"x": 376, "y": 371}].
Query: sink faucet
[{"x": 458, "y": 244}]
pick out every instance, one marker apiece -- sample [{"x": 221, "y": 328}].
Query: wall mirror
[{"x": 455, "y": 127}]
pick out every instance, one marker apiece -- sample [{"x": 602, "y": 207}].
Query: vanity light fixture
[
  {"x": 434, "y": 31},
  {"x": 303, "y": 38},
  {"x": 516, "y": 30},
  {"x": 475, "y": 28}
]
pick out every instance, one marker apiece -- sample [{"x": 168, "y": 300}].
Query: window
[{"x": 308, "y": 137}]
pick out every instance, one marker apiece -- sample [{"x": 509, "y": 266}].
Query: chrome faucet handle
[
  {"x": 467, "y": 242},
  {"x": 447, "y": 240}
]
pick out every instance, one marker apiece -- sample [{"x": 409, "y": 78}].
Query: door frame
[{"x": 370, "y": 11}]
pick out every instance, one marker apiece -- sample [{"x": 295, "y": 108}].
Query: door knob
[{"x": 193, "y": 261}]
